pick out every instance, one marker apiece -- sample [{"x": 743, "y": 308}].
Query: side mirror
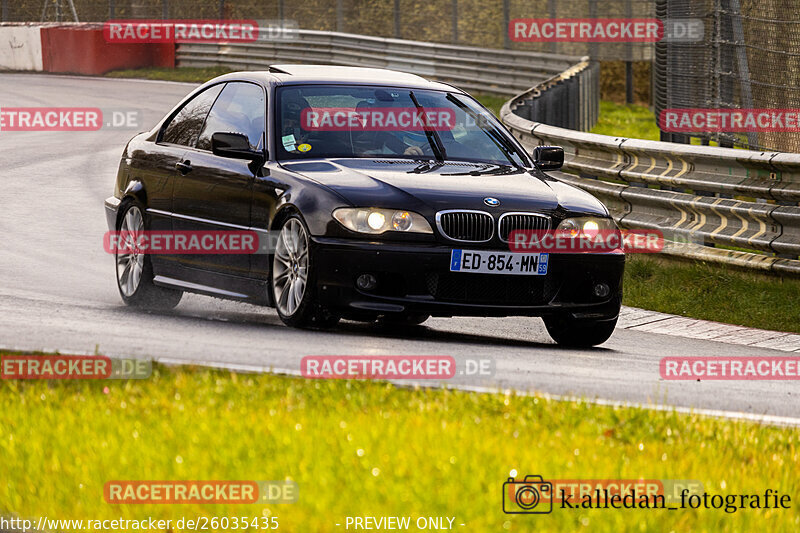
[
  {"x": 548, "y": 157},
  {"x": 235, "y": 146}
]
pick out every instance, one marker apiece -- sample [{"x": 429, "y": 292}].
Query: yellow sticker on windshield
[{"x": 304, "y": 147}]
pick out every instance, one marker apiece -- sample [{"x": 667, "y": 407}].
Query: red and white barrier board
[
  {"x": 20, "y": 47},
  {"x": 77, "y": 48}
]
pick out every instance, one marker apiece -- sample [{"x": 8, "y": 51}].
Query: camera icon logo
[{"x": 532, "y": 495}]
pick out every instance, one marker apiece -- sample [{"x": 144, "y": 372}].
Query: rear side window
[
  {"x": 185, "y": 126},
  {"x": 240, "y": 108}
]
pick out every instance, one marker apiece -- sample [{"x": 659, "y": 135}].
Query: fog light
[
  {"x": 366, "y": 282},
  {"x": 601, "y": 290}
]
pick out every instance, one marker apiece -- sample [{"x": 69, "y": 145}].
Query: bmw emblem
[{"x": 491, "y": 202}]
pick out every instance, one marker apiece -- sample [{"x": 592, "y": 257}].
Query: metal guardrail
[
  {"x": 502, "y": 72},
  {"x": 569, "y": 100},
  {"x": 699, "y": 196}
]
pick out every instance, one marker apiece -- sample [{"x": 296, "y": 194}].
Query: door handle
[{"x": 184, "y": 167}]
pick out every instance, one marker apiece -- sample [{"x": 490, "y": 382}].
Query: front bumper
[
  {"x": 416, "y": 278},
  {"x": 111, "y": 205}
]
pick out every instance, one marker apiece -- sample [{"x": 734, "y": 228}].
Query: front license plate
[{"x": 482, "y": 262}]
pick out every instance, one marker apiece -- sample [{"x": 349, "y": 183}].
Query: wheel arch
[
  {"x": 134, "y": 192},
  {"x": 282, "y": 215}
]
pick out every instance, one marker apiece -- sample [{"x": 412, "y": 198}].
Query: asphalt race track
[{"x": 57, "y": 288}]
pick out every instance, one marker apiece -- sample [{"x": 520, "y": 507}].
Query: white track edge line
[{"x": 773, "y": 420}]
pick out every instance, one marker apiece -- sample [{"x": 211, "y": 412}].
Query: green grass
[
  {"x": 368, "y": 448},
  {"x": 492, "y": 102},
  {"x": 713, "y": 292},
  {"x": 631, "y": 121}
]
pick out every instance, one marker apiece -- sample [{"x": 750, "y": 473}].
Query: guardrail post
[
  {"x": 547, "y": 112},
  {"x": 784, "y": 255},
  {"x": 111, "y": 8},
  {"x": 535, "y": 110},
  {"x": 164, "y": 9},
  {"x": 339, "y": 16},
  {"x": 586, "y": 109},
  {"x": 221, "y": 9},
  {"x": 5, "y": 11},
  {"x": 569, "y": 106}
]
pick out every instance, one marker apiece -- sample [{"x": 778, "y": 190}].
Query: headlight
[
  {"x": 589, "y": 226},
  {"x": 375, "y": 220}
]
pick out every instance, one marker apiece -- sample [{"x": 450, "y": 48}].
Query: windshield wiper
[
  {"x": 433, "y": 138},
  {"x": 505, "y": 146},
  {"x": 425, "y": 166}
]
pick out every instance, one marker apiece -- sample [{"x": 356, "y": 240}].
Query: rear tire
[
  {"x": 134, "y": 270},
  {"x": 579, "y": 332}
]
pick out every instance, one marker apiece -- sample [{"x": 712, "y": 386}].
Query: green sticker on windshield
[{"x": 288, "y": 142}]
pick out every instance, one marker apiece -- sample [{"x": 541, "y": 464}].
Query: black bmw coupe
[{"x": 383, "y": 197}]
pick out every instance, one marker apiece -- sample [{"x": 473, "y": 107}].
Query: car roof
[
  {"x": 341, "y": 73},
  {"x": 292, "y": 74}
]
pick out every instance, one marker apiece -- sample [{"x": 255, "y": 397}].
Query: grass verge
[
  {"x": 631, "y": 121},
  {"x": 368, "y": 448},
  {"x": 713, "y": 292}
]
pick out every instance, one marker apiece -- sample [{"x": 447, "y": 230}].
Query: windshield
[{"x": 316, "y": 121}]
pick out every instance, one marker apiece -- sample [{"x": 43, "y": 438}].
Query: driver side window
[
  {"x": 240, "y": 108},
  {"x": 184, "y": 128}
]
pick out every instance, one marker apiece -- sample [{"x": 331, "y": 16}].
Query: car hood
[{"x": 390, "y": 183}]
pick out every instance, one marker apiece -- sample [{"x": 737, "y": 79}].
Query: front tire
[
  {"x": 293, "y": 279},
  {"x": 134, "y": 268},
  {"x": 579, "y": 332}
]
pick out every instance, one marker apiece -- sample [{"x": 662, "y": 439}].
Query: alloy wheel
[
  {"x": 130, "y": 261},
  {"x": 290, "y": 267}
]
